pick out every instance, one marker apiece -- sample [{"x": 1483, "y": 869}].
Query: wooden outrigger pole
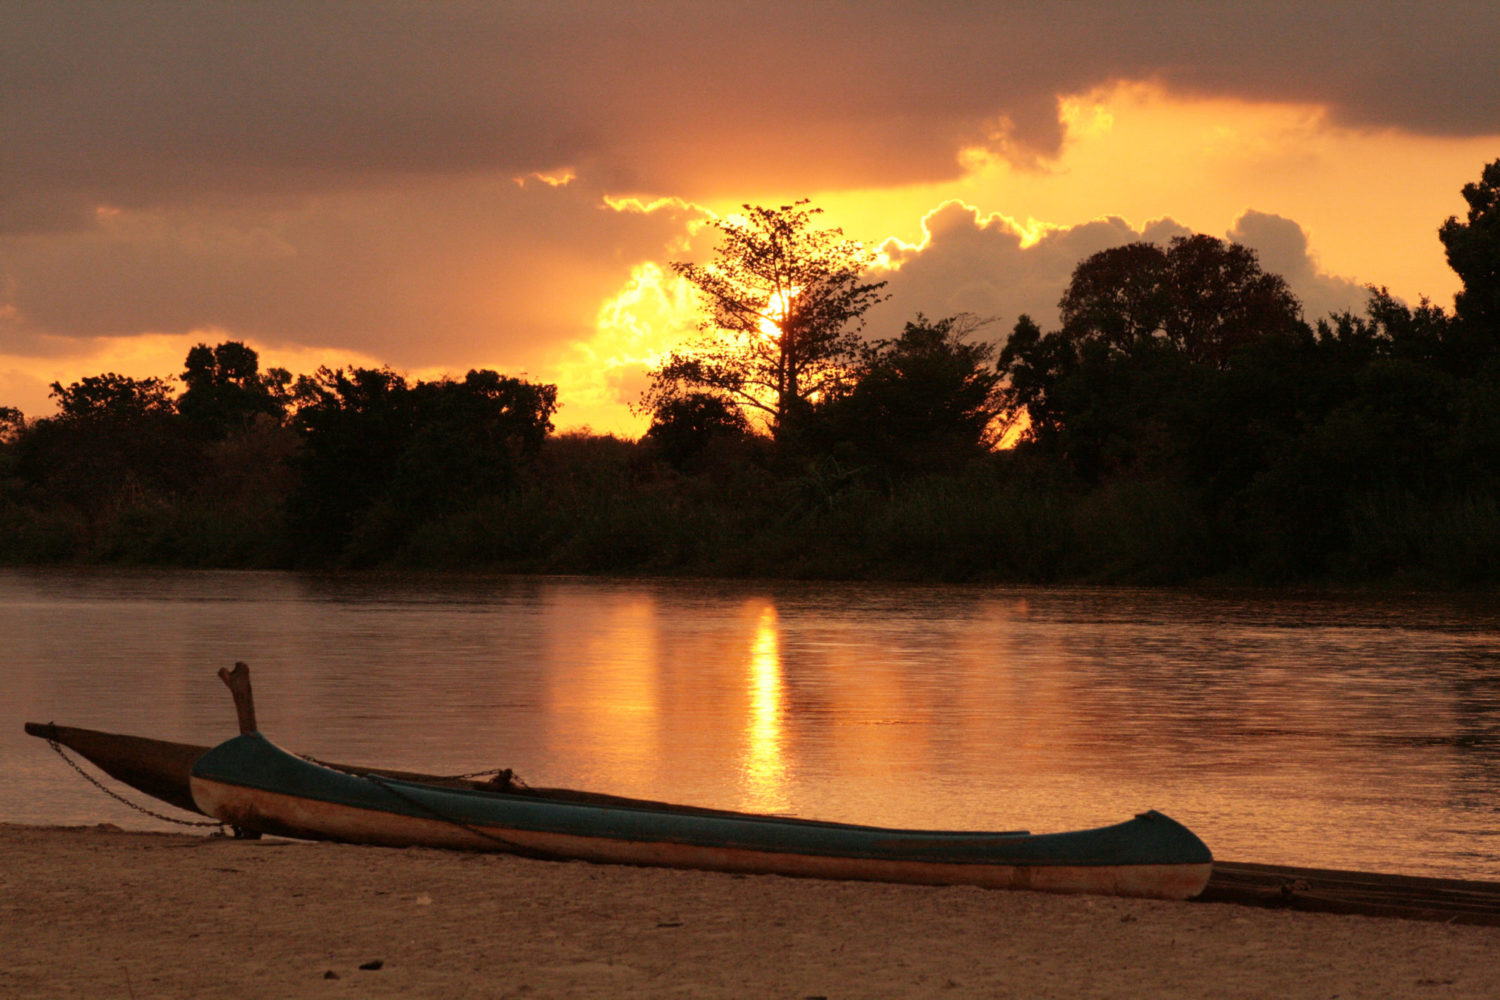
[{"x": 238, "y": 682}]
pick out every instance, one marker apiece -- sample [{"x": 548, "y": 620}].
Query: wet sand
[{"x": 95, "y": 912}]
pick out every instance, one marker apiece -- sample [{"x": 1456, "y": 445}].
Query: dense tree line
[
  {"x": 1360, "y": 447},
  {"x": 1184, "y": 422},
  {"x": 252, "y": 468}
]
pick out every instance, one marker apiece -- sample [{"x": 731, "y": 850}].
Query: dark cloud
[
  {"x": 342, "y": 176},
  {"x": 157, "y": 101},
  {"x": 416, "y": 275}
]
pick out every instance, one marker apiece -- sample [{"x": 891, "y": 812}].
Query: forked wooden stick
[{"x": 238, "y": 682}]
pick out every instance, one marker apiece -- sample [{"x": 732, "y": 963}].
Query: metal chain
[{"x": 120, "y": 798}]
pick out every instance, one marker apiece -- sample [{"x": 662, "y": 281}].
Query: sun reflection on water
[{"x": 763, "y": 763}]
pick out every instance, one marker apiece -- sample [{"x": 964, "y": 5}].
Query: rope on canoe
[
  {"x": 438, "y": 814},
  {"x": 122, "y": 799},
  {"x": 502, "y": 778}
]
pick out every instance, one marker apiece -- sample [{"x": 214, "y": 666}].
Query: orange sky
[
  {"x": 1359, "y": 207},
  {"x": 491, "y": 186}
]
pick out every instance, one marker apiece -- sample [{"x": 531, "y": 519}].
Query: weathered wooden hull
[
  {"x": 156, "y": 767},
  {"x": 162, "y": 769},
  {"x": 252, "y": 784}
]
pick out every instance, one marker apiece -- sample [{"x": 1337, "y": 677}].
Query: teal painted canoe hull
[{"x": 253, "y": 784}]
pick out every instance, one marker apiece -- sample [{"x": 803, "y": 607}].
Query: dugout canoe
[
  {"x": 252, "y": 784},
  {"x": 163, "y": 769}
]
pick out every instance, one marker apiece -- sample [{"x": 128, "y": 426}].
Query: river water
[{"x": 1330, "y": 731}]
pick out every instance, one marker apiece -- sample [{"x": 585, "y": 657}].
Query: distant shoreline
[{"x": 1375, "y": 588}]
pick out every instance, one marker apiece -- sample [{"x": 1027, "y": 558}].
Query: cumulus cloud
[
  {"x": 1282, "y": 247},
  {"x": 985, "y": 265}
]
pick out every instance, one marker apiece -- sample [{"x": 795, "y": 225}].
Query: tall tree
[
  {"x": 785, "y": 302},
  {"x": 225, "y": 388},
  {"x": 1203, "y": 297},
  {"x": 1150, "y": 335},
  {"x": 1473, "y": 249},
  {"x": 115, "y": 440},
  {"x": 468, "y": 439},
  {"x": 353, "y": 427}
]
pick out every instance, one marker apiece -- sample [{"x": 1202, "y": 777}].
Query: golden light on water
[
  {"x": 605, "y": 686},
  {"x": 763, "y": 763}
]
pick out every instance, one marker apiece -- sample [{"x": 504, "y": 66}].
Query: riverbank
[{"x": 99, "y": 912}]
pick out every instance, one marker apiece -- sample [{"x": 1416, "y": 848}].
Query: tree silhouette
[
  {"x": 380, "y": 456},
  {"x": 113, "y": 397},
  {"x": 1473, "y": 249},
  {"x": 924, "y": 402},
  {"x": 225, "y": 388},
  {"x": 115, "y": 439},
  {"x": 1149, "y": 336},
  {"x": 353, "y": 428},
  {"x": 785, "y": 301},
  {"x": 12, "y": 424},
  {"x": 468, "y": 440},
  {"x": 1204, "y": 297},
  {"x": 686, "y": 427}
]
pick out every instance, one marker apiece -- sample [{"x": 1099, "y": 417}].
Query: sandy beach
[{"x": 96, "y": 912}]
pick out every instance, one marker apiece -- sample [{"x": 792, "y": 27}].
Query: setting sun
[{"x": 775, "y": 313}]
